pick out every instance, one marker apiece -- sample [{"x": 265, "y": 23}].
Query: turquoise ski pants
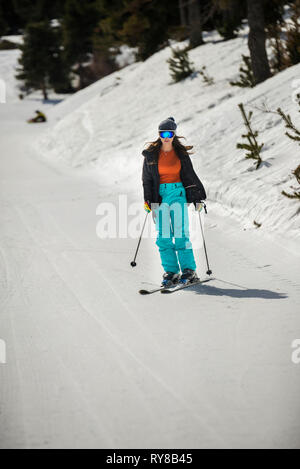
[{"x": 172, "y": 221}]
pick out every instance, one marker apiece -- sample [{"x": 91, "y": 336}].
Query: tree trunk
[
  {"x": 44, "y": 91},
  {"x": 81, "y": 73},
  {"x": 257, "y": 41},
  {"x": 196, "y": 38},
  {"x": 183, "y": 20}
]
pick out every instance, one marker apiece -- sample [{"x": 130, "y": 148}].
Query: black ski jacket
[{"x": 195, "y": 191}]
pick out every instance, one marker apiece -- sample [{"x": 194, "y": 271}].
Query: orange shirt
[{"x": 169, "y": 166}]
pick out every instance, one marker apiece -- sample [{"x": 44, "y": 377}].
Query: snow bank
[
  {"x": 104, "y": 128},
  {"x": 16, "y": 39},
  {"x": 8, "y": 66}
]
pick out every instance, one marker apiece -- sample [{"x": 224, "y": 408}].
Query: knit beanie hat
[{"x": 168, "y": 124}]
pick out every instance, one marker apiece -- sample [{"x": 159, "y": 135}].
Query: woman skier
[{"x": 170, "y": 185}]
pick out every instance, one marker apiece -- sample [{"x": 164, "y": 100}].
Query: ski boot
[
  {"x": 188, "y": 276},
  {"x": 170, "y": 279}
]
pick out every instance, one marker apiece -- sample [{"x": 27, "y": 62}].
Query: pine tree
[
  {"x": 148, "y": 25},
  {"x": 229, "y": 17},
  {"x": 274, "y": 21},
  {"x": 106, "y": 42},
  {"x": 294, "y": 134},
  {"x": 34, "y": 11},
  {"x": 59, "y": 77},
  {"x": 206, "y": 78},
  {"x": 274, "y": 12},
  {"x": 180, "y": 65},
  {"x": 104, "y": 52},
  {"x": 3, "y": 24},
  {"x": 246, "y": 74},
  {"x": 253, "y": 147},
  {"x": 290, "y": 126},
  {"x": 41, "y": 61},
  {"x": 25, "y": 9},
  {"x": 10, "y": 18},
  {"x": 79, "y": 23},
  {"x": 296, "y": 193},
  {"x": 284, "y": 36},
  {"x": 280, "y": 60},
  {"x": 293, "y": 34}
]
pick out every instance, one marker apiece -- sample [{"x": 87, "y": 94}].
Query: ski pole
[
  {"x": 209, "y": 272},
  {"x": 133, "y": 263}
]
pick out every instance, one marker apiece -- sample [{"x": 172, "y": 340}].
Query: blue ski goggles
[{"x": 166, "y": 133}]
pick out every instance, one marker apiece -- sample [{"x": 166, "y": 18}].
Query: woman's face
[{"x": 167, "y": 139}]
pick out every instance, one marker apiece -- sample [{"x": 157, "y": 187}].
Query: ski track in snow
[{"x": 65, "y": 274}]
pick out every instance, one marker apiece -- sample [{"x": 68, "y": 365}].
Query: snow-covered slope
[
  {"x": 90, "y": 362},
  {"x": 8, "y": 65},
  {"x": 106, "y": 126}
]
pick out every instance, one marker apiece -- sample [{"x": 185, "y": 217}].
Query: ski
[
  {"x": 182, "y": 287},
  {"x": 149, "y": 292},
  {"x": 155, "y": 290}
]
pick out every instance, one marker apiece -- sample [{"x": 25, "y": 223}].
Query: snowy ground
[{"x": 90, "y": 363}]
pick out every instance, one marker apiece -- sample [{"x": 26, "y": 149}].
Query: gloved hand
[
  {"x": 147, "y": 206},
  {"x": 198, "y": 206},
  {"x": 148, "y": 209}
]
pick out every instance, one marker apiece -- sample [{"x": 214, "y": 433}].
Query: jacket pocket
[{"x": 193, "y": 194}]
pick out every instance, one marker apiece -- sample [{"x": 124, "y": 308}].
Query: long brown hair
[{"x": 177, "y": 145}]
